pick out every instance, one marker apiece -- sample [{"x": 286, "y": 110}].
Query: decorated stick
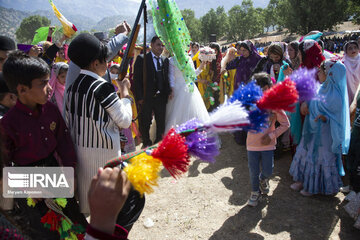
[{"x": 132, "y": 40}]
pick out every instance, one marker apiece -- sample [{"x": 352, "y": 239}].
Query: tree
[
  {"x": 259, "y": 22},
  {"x": 305, "y": 16},
  {"x": 193, "y": 24},
  {"x": 271, "y": 15},
  {"x": 28, "y": 26},
  {"x": 222, "y": 21},
  {"x": 245, "y": 21},
  {"x": 208, "y": 25},
  {"x": 214, "y": 22},
  {"x": 354, "y": 10}
]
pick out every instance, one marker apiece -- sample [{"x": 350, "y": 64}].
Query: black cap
[
  {"x": 6, "y": 43},
  {"x": 84, "y": 49},
  {"x": 3, "y": 87}
]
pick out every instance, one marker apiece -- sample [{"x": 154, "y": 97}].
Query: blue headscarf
[{"x": 334, "y": 105}]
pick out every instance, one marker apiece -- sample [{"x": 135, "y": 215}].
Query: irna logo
[{"x": 34, "y": 180}]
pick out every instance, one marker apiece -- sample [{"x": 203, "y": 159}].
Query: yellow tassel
[
  {"x": 71, "y": 237},
  {"x": 143, "y": 172},
  {"x": 30, "y": 202}
]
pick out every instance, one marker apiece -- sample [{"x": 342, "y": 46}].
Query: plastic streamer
[{"x": 170, "y": 26}]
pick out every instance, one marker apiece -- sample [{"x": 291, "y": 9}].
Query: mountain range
[{"x": 94, "y": 14}]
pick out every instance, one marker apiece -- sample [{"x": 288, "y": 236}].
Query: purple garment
[
  {"x": 34, "y": 135},
  {"x": 244, "y": 66}
]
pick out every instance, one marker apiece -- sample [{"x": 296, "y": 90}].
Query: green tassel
[
  {"x": 78, "y": 228},
  {"x": 64, "y": 235},
  {"x": 30, "y": 202},
  {"x": 61, "y": 202},
  {"x": 169, "y": 24},
  {"x": 46, "y": 225},
  {"x": 65, "y": 225}
]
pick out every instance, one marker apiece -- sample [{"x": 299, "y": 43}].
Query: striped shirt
[{"x": 94, "y": 113}]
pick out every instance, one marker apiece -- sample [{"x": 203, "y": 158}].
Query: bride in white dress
[{"x": 184, "y": 105}]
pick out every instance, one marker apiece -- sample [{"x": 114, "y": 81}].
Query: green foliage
[
  {"x": 305, "y": 16},
  {"x": 245, "y": 21},
  {"x": 28, "y": 26},
  {"x": 193, "y": 24},
  {"x": 271, "y": 15},
  {"x": 354, "y": 10},
  {"x": 214, "y": 22}
]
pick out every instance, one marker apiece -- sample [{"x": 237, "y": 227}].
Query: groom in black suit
[{"x": 152, "y": 93}]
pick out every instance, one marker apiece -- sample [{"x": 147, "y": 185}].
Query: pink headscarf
[{"x": 57, "y": 88}]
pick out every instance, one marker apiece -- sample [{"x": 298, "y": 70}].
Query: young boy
[
  {"x": 6, "y": 45},
  {"x": 94, "y": 114},
  {"x": 7, "y": 99},
  {"x": 260, "y": 147},
  {"x": 34, "y": 130}
]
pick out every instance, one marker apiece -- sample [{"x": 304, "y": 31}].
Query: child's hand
[
  {"x": 304, "y": 110},
  {"x": 35, "y": 51},
  {"x": 108, "y": 192},
  {"x": 287, "y": 71},
  {"x": 321, "y": 117},
  {"x": 265, "y": 140},
  {"x": 125, "y": 83}
]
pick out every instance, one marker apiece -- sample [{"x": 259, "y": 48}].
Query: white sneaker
[{"x": 254, "y": 199}]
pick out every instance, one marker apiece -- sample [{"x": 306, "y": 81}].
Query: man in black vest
[{"x": 152, "y": 93}]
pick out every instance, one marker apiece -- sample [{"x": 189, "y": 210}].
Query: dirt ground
[{"x": 210, "y": 203}]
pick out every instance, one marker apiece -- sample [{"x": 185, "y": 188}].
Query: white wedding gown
[{"x": 185, "y": 105}]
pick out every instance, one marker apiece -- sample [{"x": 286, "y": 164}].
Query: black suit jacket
[{"x": 150, "y": 78}]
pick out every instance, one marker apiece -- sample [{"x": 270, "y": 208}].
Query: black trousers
[{"x": 157, "y": 105}]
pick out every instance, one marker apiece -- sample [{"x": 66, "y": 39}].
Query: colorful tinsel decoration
[
  {"x": 143, "y": 172},
  {"x": 170, "y": 26},
  {"x": 247, "y": 94},
  {"x": 172, "y": 152},
  {"x": 201, "y": 144},
  {"x": 306, "y": 83},
  {"x": 56, "y": 220},
  {"x": 282, "y": 96},
  {"x": 247, "y": 109}
]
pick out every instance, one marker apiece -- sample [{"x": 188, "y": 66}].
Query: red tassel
[
  {"x": 51, "y": 220},
  {"x": 281, "y": 96},
  {"x": 172, "y": 152},
  {"x": 80, "y": 236}
]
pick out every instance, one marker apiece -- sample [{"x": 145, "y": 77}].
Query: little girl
[
  {"x": 260, "y": 147},
  {"x": 57, "y": 83}
]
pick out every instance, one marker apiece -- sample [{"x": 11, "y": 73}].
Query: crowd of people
[{"x": 67, "y": 105}]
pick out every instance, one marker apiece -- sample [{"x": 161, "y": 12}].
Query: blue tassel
[
  {"x": 258, "y": 119},
  {"x": 248, "y": 94}
]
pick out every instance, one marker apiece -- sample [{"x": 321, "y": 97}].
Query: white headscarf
[{"x": 352, "y": 74}]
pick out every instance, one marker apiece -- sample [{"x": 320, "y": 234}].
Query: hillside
[
  {"x": 92, "y": 14},
  {"x": 10, "y": 20}
]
